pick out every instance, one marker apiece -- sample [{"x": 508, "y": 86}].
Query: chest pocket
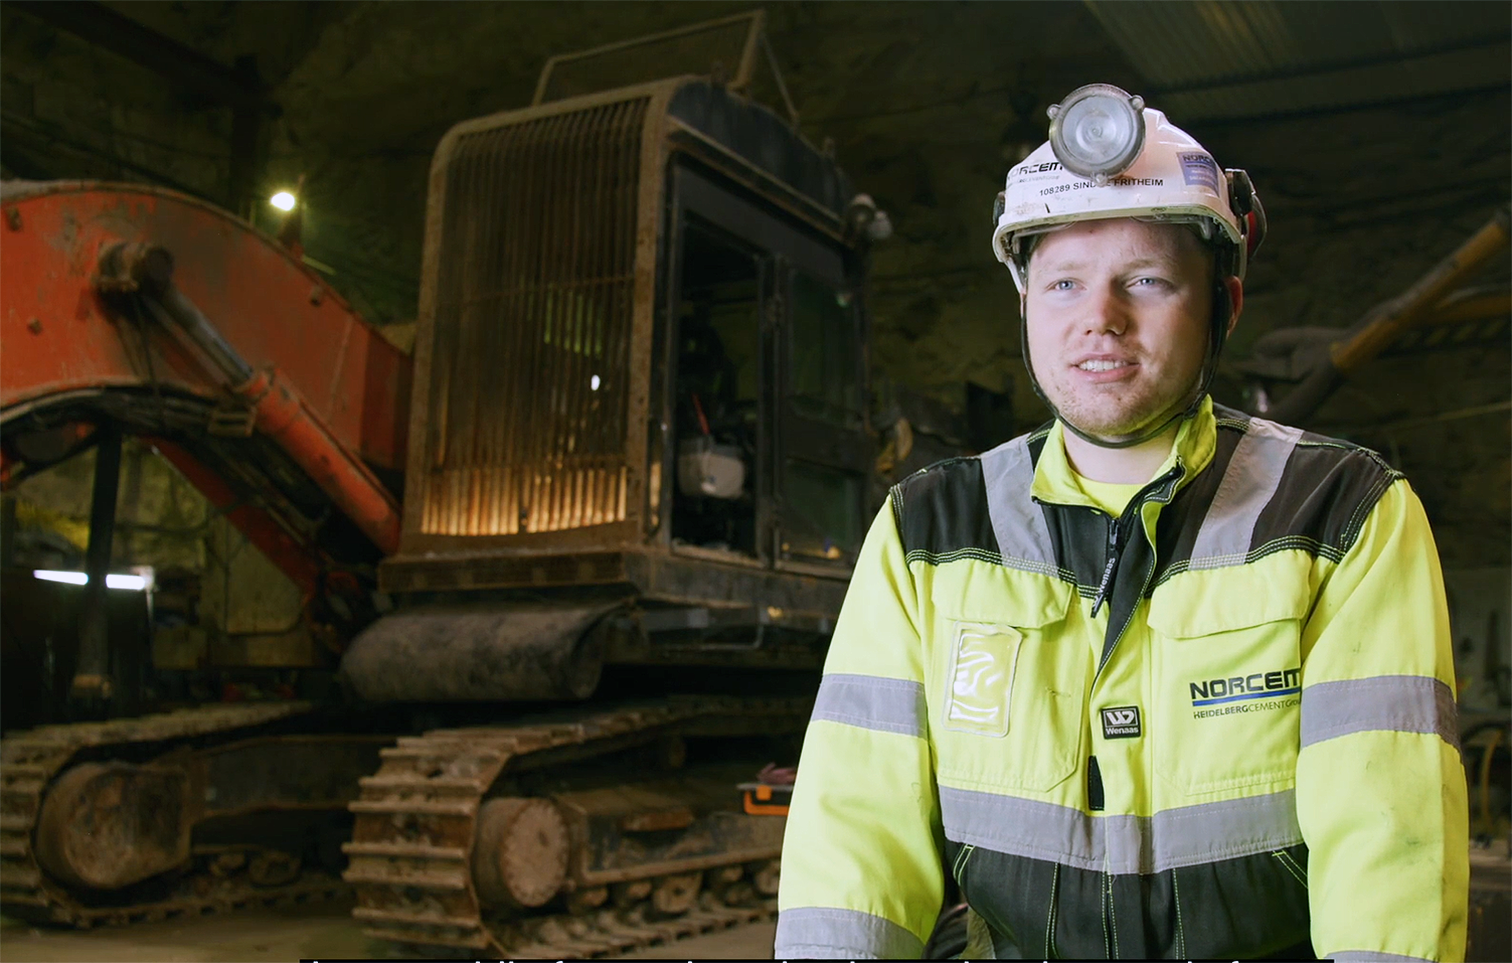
[
  {"x": 1227, "y": 649},
  {"x": 1007, "y": 686}
]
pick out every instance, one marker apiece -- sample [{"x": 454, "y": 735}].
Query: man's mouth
[{"x": 1098, "y": 364}]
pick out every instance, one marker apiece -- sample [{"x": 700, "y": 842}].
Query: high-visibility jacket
[{"x": 1219, "y": 725}]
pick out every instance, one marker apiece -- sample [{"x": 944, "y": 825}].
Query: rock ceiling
[{"x": 924, "y": 102}]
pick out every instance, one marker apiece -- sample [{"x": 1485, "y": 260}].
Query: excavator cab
[
  {"x": 638, "y": 469},
  {"x": 640, "y": 379},
  {"x": 768, "y": 422}
]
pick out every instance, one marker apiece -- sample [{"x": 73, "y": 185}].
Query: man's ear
[{"x": 1236, "y": 298}]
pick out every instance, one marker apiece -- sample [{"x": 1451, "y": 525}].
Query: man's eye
[{"x": 1064, "y": 284}]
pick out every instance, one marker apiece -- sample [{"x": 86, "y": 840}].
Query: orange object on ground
[{"x": 763, "y": 799}]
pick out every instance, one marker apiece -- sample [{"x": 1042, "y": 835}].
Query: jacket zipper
[
  {"x": 960, "y": 862},
  {"x": 1107, "y": 575},
  {"x": 1096, "y": 796},
  {"x": 1118, "y": 538}
]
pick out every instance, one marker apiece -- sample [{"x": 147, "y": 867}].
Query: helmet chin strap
[{"x": 1217, "y": 335}]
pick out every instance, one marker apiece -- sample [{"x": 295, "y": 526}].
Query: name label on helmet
[
  {"x": 1200, "y": 170},
  {"x": 1065, "y": 186}
]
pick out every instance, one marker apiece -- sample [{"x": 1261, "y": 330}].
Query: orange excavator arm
[{"x": 177, "y": 321}]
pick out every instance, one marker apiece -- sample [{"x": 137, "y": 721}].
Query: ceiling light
[{"x": 283, "y": 200}]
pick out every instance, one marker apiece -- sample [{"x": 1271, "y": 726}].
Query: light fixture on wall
[
  {"x": 283, "y": 200},
  {"x": 140, "y": 581}
]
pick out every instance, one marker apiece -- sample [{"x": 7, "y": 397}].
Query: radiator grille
[{"x": 530, "y": 365}]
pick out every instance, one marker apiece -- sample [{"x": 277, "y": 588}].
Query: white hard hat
[{"x": 1110, "y": 156}]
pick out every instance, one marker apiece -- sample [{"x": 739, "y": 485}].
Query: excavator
[{"x": 580, "y": 555}]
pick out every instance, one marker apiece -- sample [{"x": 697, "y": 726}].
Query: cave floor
[{"x": 305, "y": 932}]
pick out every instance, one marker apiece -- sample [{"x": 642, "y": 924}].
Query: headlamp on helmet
[
  {"x": 1111, "y": 156},
  {"x": 1098, "y": 131}
]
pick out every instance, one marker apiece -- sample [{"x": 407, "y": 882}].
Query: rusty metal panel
[
  {"x": 533, "y": 314},
  {"x": 496, "y": 570},
  {"x": 61, "y": 341}
]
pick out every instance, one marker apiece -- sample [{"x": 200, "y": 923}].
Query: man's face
[{"x": 1118, "y": 322}]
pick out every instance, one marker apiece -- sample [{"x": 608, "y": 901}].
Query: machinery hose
[{"x": 1485, "y": 780}]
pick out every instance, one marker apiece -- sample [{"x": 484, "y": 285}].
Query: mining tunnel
[{"x": 452, "y": 455}]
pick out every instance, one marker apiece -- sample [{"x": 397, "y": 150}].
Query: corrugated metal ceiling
[{"x": 1211, "y": 59}]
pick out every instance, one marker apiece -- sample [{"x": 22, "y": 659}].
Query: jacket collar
[{"x": 1196, "y": 440}]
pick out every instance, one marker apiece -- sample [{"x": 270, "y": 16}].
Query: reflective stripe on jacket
[{"x": 1220, "y": 725}]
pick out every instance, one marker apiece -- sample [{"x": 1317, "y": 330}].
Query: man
[{"x": 1159, "y": 680}]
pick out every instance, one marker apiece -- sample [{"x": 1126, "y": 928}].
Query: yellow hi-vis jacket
[{"x": 1219, "y": 725}]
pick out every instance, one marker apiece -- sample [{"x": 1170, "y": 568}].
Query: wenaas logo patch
[{"x": 1120, "y": 722}]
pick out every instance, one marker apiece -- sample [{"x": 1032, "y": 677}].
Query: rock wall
[{"x": 927, "y": 104}]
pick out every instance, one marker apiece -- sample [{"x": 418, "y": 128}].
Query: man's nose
[{"x": 1107, "y": 312}]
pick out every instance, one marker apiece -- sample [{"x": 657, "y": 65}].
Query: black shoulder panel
[
  {"x": 1325, "y": 494},
  {"x": 1176, "y": 531},
  {"x": 942, "y": 510}
]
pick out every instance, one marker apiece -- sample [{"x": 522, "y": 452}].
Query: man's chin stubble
[{"x": 1121, "y": 426}]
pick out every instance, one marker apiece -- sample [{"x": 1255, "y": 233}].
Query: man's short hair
[{"x": 1213, "y": 254}]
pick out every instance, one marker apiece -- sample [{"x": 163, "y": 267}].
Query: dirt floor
[{"x": 300, "y": 933}]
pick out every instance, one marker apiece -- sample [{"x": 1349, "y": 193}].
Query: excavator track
[
  {"x": 411, "y": 858},
  {"x": 29, "y": 762}
]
